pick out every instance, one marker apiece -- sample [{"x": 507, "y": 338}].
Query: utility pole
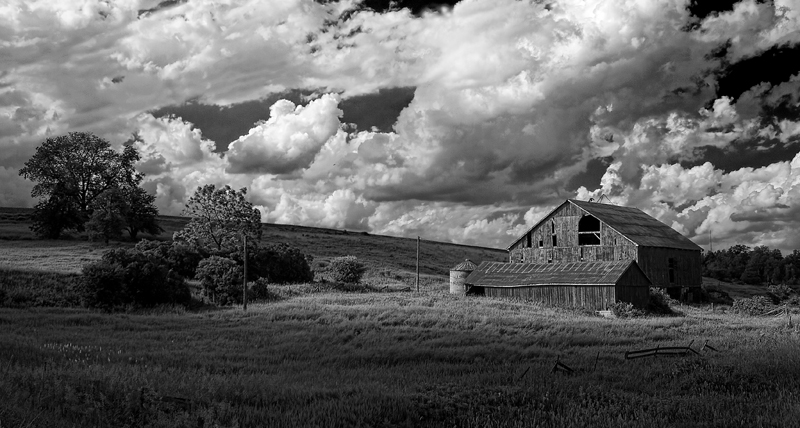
[
  {"x": 417, "y": 264},
  {"x": 244, "y": 290},
  {"x": 710, "y": 242}
]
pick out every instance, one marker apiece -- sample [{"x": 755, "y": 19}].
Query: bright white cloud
[
  {"x": 512, "y": 100},
  {"x": 289, "y": 140}
]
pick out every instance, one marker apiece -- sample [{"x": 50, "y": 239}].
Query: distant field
[{"x": 384, "y": 255}]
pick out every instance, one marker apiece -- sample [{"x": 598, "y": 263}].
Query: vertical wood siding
[
  {"x": 594, "y": 297},
  {"x": 654, "y": 261},
  {"x": 613, "y": 246}
]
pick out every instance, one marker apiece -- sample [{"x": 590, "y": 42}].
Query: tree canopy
[
  {"x": 219, "y": 218},
  {"x": 79, "y": 166},
  {"x": 79, "y": 173}
]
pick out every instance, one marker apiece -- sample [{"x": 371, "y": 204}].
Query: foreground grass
[{"x": 391, "y": 359}]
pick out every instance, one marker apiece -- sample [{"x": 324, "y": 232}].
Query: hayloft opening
[{"x": 588, "y": 230}]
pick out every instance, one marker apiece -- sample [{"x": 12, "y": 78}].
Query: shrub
[
  {"x": 104, "y": 285},
  {"x": 130, "y": 277},
  {"x": 181, "y": 258},
  {"x": 659, "y": 301},
  {"x": 625, "y": 310},
  {"x": 281, "y": 264},
  {"x": 259, "y": 290},
  {"x": 347, "y": 269},
  {"x": 780, "y": 292},
  {"x": 221, "y": 279},
  {"x": 755, "y": 305}
]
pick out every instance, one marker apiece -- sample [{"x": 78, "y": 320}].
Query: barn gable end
[{"x": 579, "y": 231}]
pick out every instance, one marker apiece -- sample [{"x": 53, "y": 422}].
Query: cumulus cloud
[
  {"x": 512, "y": 100},
  {"x": 289, "y": 140}
]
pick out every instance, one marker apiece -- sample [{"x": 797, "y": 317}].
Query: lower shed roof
[{"x": 500, "y": 274}]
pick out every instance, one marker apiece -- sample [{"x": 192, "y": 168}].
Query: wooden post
[
  {"x": 244, "y": 290},
  {"x": 417, "y": 264}
]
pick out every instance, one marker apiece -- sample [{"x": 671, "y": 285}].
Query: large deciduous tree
[
  {"x": 220, "y": 217},
  {"x": 72, "y": 172},
  {"x": 80, "y": 166}
]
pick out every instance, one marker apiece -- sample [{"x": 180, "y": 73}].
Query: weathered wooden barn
[
  {"x": 579, "y": 231},
  {"x": 595, "y": 285}
]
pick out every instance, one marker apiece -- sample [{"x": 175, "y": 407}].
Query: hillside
[{"x": 383, "y": 254}]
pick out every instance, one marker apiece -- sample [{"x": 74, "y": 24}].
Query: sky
[{"x": 462, "y": 121}]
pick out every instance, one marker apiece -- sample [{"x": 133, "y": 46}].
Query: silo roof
[{"x": 465, "y": 266}]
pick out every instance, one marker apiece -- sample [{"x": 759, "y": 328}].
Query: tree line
[
  {"x": 84, "y": 184},
  {"x": 757, "y": 266}
]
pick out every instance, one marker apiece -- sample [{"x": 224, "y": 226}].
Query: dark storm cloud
[
  {"x": 775, "y": 65},
  {"x": 166, "y": 4},
  {"x": 744, "y": 154},
  {"x": 379, "y": 110},
  {"x": 417, "y": 7},
  {"x": 701, "y": 9},
  {"x": 590, "y": 177}
]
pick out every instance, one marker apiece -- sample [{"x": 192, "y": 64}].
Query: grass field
[
  {"x": 315, "y": 357},
  {"x": 392, "y": 359}
]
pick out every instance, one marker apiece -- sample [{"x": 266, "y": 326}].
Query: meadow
[{"x": 381, "y": 355}]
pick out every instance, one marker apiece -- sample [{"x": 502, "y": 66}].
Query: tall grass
[{"x": 391, "y": 359}]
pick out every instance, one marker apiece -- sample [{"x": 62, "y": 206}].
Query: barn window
[
  {"x": 555, "y": 237},
  {"x": 588, "y": 230},
  {"x": 529, "y": 239},
  {"x": 541, "y": 243},
  {"x": 672, "y": 265}
]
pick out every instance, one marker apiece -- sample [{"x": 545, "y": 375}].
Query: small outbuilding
[
  {"x": 595, "y": 285},
  {"x": 458, "y": 274}
]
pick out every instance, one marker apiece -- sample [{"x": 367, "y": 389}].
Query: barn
[
  {"x": 594, "y": 285},
  {"x": 578, "y": 233}
]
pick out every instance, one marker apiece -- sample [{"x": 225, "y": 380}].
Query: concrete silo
[{"x": 460, "y": 273}]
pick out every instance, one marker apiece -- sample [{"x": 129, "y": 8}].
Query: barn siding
[
  {"x": 597, "y": 297},
  {"x": 613, "y": 246},
  {"x": 637, "y": 295},
  {"x": 654, "y": 261}
]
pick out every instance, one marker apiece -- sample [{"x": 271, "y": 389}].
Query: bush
[
  {"x": 625, "y": 310},
  {"x": 181, "y": 258},
  {"x": 756, "y": 305},
  {"x": 104, "y": 286},
  {"x": 221, "y": 279},
  {"x": 130, "y": 277},
  {"x": 259, "y": 290},
  {"x": 780, "y": 292},
  {"x": 279, "y": 263},
  {"x": 659, "y": 301},
  {"x": 347, "y": 269}
]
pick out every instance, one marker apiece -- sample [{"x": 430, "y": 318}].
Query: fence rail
[{"x": 666, "y": 350}]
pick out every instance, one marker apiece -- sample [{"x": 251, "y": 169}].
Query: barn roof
[
  {"x": 499, "y": 274},
  {"x": 633, "y": 223},
  {"x": 637, "y": 226}
]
